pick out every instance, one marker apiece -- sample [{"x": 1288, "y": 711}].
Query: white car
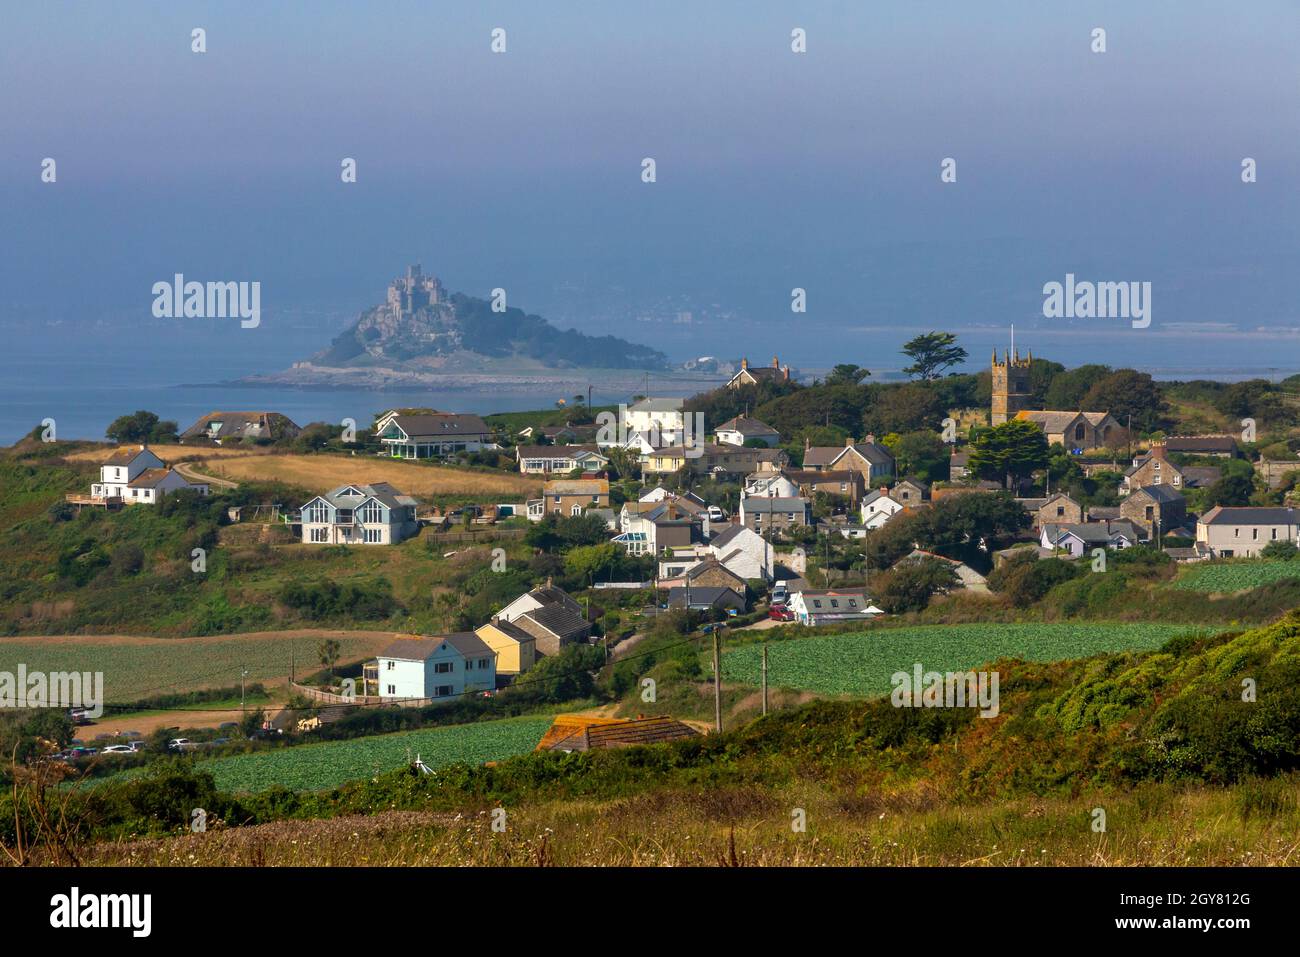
[{"x": 118, "y": 749}]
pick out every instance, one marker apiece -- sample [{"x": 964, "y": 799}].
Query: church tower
[{"x": 1010, "y": 385}]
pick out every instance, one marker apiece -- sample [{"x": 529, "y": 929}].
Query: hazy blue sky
[{"x": 774, "y": 169}]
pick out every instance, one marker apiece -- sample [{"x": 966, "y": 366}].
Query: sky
[{"x": 522, "y": 170}]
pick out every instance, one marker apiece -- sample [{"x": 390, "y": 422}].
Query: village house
[
  {"x": 1276, "y": 472},
  {"x": 430, "y": 436},
  {"x": 375, "y": 514},
  {"x": 1219, "y": 446},
  {"x": 134, "y": 475},
  {"x": 878, "y": 507},
  {"x": 550, "y": 615},
  {"x": 846, "y": 484},
  {"x": 762, "y": 514},
  {"x": 218, "y": 427},
  {"x": 647, "y": 528},
  {"x": 814, "y": 608},
  {"x": 1058, "y": 508},
  {"x": 749, "y": 376},
  {"x": 910, "y": 492},
  {"x": 1076, "y": 431},
  {"x": 958, "y": 466},
  {"x": 570, "y": 497},
  {"x": 707, "y": 573},
  {"x": 873, "y": 461},
  {"x": 770, "y": 485},
  {"x": 1078, "y": 539},
  {"x": 559, "y": 459},
  {"x": 1155, "y": 506},
  {"x": 660, "y": 422},
  {"x": 437, "y": 668},
  {"x": 742, "y": 430},
  {"x": 1244, "y": 531},
  {"x": 1154, "y": 468},
  {"x": 516, "y": 649},
  {"x": 560, "y": 434},
  {"x": 743, "y": 551}
]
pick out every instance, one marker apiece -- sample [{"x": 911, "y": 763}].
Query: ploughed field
[{"x": 861, "y": 663}]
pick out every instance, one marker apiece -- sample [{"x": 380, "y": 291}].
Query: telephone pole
[
  {"x": 764, "y": 677},
  {"x": 717, "y": 679}
]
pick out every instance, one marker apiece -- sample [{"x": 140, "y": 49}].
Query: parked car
[
  {"x": 182, "y": 744},
  {"x": 780, "y": 613},
  {"x": 780, "y": 592},
  {"x": 118, "y": 749}
]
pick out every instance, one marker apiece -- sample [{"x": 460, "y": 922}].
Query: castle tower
[{"x": 1010, "y": 386}]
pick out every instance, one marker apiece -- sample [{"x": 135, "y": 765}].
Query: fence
[{"x": 328, "y": 697}]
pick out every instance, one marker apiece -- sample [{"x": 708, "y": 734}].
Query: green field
[
  {"x": 137, "y": 669},
  {"x": 315, "y": 767},
  {"x": 861, "y": 663},
  {"x": 1235, "y": 576}
]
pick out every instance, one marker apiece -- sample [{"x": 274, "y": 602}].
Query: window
[
  {"x": 442, "y": 691},
  {"x": 1150, "y": 512},
  {"x": 1060, "y": 511},
  {"x": 374, "y": 536},
  {"x": 853, "y": 603},
  {"x": 483, "y": 663},
  {"x": 316, "y": 513},
  {"x": 371, "y": 513},
  {"x": 1275, "y": 534},
  {"x": 1254, "y": 534},
  {"x": 320, "y": 534},
  {"x": 835, "y": 603},
  {"x": 575, "y": 509},
  {"x": 392, "y": 689},
  {"x": 391, "y": 665},
  {"x": 1078, "y": 432},
  {"x": 444, "y": 667}
]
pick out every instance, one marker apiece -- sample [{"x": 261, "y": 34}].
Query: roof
[
  {"x": 466, "y": 643},
  {"x": 149, "y": 478},
  {"x": 657, "y": 405},
  {"x": 1050, "y": 421},
  {"x": 509, "y": 629},
  {"x": 256, "y": 424},
  {"x": 710, "y": 563},
  {"x": 440, "y": 424},
  {"x": 558, "y": 620},
  {"x": 1092, "y": 532},
  {"x": 873, "y": 452},
  {"x": 381, "y": 492},
  {"x": 1164, "y": 494},
  {"x": 1201, "y": 443},
  {"x": 726, "y": 536},
  {"x": 1250, "y": 515},
  {"x": 1200, "y": 476},
  {"x": 126, "y": 455},
  {"x": 577, "y": 487},
  {"x": 812, "y": 476},
  {"x": 773, "y": 504},
  {"x": 585, "y": 733},
  {"x": 702, "y": 594},
  {"x": 742, "y": 423},
  {"x": 558, "y": 451}
]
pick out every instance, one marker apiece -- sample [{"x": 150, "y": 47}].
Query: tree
[
  {"x": 908, "y": 407},
  {"x": 1067, "y": 389},
  {"x": 1279, "y": 550},
  {"x": 967, "y": 526},
  {"x": 585, "y": 562},
  {"x": 1126, "y": 393},
  {"x": 1012, "y": 450},
  {"x": 931, "y": 353},
  {"x": 846, "y": 373},
  {"x": 140, "y": 427},
  {"x": 908, "y": 587},
  {"x": 1230, "y": 490},
  {"x": 919, "y": 453},
  {"x": 328, "y": 651}
]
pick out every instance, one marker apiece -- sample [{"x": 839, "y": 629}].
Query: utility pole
[
  {"x": 764, "y": 677},
  {"x": 717, "y": 679},
  {"x": 242, "y": 676}
]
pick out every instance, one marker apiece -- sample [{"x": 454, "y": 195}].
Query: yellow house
[
  {"x": 516, "y": 649},
  {"x": 672, "y": 459}
]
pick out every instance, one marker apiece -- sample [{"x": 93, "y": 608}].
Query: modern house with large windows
[
  {"x": 359, "y": 515},
  {"x": 432, "y": 436}
]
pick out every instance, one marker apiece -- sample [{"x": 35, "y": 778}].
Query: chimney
[
  {"x": 1158, "y": 450},
  {"x": 785, "y": 374},
  {"x": 776, "y": 363},
  {"x": 871, "y": 439},
  {"x": 848, "y": 442},
  {"x": 548, "y": 581}
]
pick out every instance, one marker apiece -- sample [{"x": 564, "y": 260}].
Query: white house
[
  {"x": 559, "y": 459},
  {"x": 359, "y": 515},
  {"x": 769, "y": 485},
  {"x": 426, "y": 436},
  {"x": 1078, "y": 539},
  {"x": 831, "y": 607},
  {"x": 743, "y": 551},
  {"x": 137, "y": 476},
  {"x": 1240, "y": 531},
  {"x": 743, "y": 429},
  {"x": 660, "y": 422},
  {"x": 443, "y": 666},
  {"x": 878, "y": 508}
]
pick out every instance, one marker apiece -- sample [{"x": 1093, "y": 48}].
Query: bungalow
[
  {"x": 541, "y": 597},
  {"x": 771, "y": 485},
  {"x": 548, "y": 459},
  {"x": 135, "y": 475},
  {"x": 429, "y": 436},
  {"x": 375, "y": 514},
  {"x": 1079, "y": 539},
  {"x": 742, "y": 430},
  {"x": 751, "y": 376},
  {"x": 958, "y": 466},
  {"x": 516, "y": 649},
  {"x": 217, "y": 427},
  {"x": 1076, "y": 431},
  {"x": 872, "y": 460},
  {"x": 440, "y": 667},
  {"x": 1240, "y": 531},
  {"x": 705, "y": 597},
  {"x": 813, "y": 608}
]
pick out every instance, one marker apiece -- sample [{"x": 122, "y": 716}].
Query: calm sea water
[{"x": 85, "y": 377}]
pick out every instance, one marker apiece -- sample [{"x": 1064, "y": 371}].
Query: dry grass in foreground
[{"x": 1158, "y": 826}]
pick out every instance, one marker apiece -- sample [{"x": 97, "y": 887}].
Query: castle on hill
[{"x": 412, "y": 292}]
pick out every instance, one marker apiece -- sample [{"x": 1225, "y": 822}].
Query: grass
[
  {"x": 315, "y": 767},
  {"x": 136, "y": 668},
  {"x": 861, "y": 663},
  {"x": 1235, "y": 575},
  {"x": 321, "y": 473}
]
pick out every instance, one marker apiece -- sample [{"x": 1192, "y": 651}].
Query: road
[{"x": 186, "y": 469}]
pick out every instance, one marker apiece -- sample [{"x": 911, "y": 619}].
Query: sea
[{"x": 84, "y": 375}]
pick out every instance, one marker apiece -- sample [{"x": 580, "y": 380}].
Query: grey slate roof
[
  {"x": 441, "y": 425},
  {"x": 419, "y": 649},
  {"x": 1250, "y": 515}
]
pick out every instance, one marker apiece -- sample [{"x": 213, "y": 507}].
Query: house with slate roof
[
  {"x": 437, "y": 667},
  {"x": 375, "y": 514}
]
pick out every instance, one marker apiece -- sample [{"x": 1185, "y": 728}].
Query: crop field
[
  {"x": 320, "y": 473},
  {"x": 135, "y": 668},
  {"x": 315, "y": 767},
  {"x": 862, "y": 663},
  {"x": 1235, "y": 576}
]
